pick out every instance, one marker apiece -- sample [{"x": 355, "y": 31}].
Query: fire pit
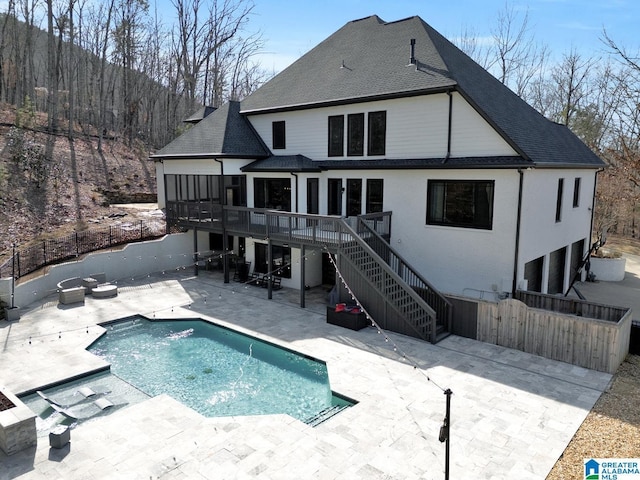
[
  {"x": 5, "y": 403},
  {"x": 17, "y": 424}
]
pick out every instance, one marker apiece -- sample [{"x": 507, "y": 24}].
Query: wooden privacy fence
[{"x": 573, "y": 338}]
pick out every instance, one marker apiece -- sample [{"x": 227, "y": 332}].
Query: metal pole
[
  {"x": 447, "y": 426},
  {"x": 13, "y": 273}
]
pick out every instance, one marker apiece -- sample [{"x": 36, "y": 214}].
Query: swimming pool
[{"x": 217, "y": 371}]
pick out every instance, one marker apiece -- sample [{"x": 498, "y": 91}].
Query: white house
[{"x": 474, "y": 190}]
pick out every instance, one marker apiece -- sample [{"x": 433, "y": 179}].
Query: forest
[{"x": 113, "y": 68}]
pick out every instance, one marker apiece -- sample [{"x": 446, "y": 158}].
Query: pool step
[{"x": 325, "y": 415}]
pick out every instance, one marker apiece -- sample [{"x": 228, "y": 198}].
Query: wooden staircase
[{"x": 394, "y": 294}]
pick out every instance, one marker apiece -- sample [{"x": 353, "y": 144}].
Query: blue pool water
[{"x": 215, "y": 370}]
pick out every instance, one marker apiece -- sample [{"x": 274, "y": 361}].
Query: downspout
[
  {"x": 518, "y": 221},
  {"x": 446, "y": 158},
  {"x": 593, "y": 212},
  {"x": 225, "y": 242}
]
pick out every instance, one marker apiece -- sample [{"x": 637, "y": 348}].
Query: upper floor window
[
  {"x": 460, "y": 203},
  {"x": 559, "y": 199},
  {"x": 376, "y": 130},
  {"x": 377, "y": 133},
  {"x": 336, "y": 136},
  {"x": 278, "y": 135},
  {"x": 355, "y": 134},
  {"x": 576, "y": 192}
]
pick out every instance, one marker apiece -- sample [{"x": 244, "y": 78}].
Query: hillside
[{"x": 75, "y": 190}]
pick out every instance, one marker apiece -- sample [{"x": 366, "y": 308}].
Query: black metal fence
[{"x": 48, "y": 252}]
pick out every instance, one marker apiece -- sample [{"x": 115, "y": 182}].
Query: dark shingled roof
[
  {"x": 283, "y": 163},
  {"x": 222, "y": 133},
  {"x": 300, "y": 163},
  {"x": 368, "y": 59},
  {"x": 196, "y": 117}
]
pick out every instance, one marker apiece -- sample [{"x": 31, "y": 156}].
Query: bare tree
[
  {"x": 201, "y": 38},
  {"x": 570, "y": 85},
  {"x": 515, "y": 58}
]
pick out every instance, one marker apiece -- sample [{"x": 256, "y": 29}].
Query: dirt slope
[{"x": 77, "y": 188}]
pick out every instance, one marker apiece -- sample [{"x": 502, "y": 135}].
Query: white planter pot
[{"x": 608, "y": 269}]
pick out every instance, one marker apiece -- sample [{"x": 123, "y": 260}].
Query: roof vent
[{"x": 412, "y": 58}]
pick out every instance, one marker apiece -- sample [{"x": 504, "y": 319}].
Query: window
[
  {"x": 334, "y": 196},
  {"x": 274, "y": 193},
  {"x": 374, "y": 195},
  {"x": 280, "y": 260},
  {"x": 377, "y": 133},
  {"x": 559, "y": 200},
  {"x": 459, "y": 203},
  {"x": 336, "y": 136},
  {"x": 355, "y": 134},
  {"x": 278, "y": 135},
  {"x": 576, "y": 192},
  {"x": 313, "y": 188},
  {"x": 354, "y": 197}
]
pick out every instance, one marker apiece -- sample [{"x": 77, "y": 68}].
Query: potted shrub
[{"x": 607, "y": 265}]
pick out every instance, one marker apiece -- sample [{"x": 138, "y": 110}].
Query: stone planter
[
  {"x": 12, "y": 314},
  {"x": 608, "y": 269}
]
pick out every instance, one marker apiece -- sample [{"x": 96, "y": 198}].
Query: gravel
[{"x": 611, "y": 429}]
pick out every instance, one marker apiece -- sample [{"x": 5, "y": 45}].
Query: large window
[
  {"x": 278, "y": 135},
  {"x": 459, "y": 203},
  {"x": 273, "y": 193},
  {"x": 355, "y": 134},
  {"x": 375, "y": 187},
  {"x": 377, "y": 133},
  {"x": 280, "y": 260},
  {"x": 336, "y": 136}
]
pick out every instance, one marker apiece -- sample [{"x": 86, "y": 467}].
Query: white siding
[
  {"x": 456, "y": 260},
  {"x": 417, "y": 127},
  {"x": 540, "y": 234},
  {"x": 471, "y": 135},
  {"x": 207, "y": 166}
]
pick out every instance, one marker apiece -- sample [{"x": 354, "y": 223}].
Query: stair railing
[
  {"x": 426, "y": 290},
  {"x": 389, "y": 288}
]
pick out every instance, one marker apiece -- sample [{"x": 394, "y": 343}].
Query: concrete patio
[{"x": 512, "y": 413}]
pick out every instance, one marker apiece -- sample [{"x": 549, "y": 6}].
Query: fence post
[
  {"x": 77, "y": 246},
  {"x": 141, "y": 230},
  {"x": 44, "y": 251},
  {"x": 110, "y": 236}
]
